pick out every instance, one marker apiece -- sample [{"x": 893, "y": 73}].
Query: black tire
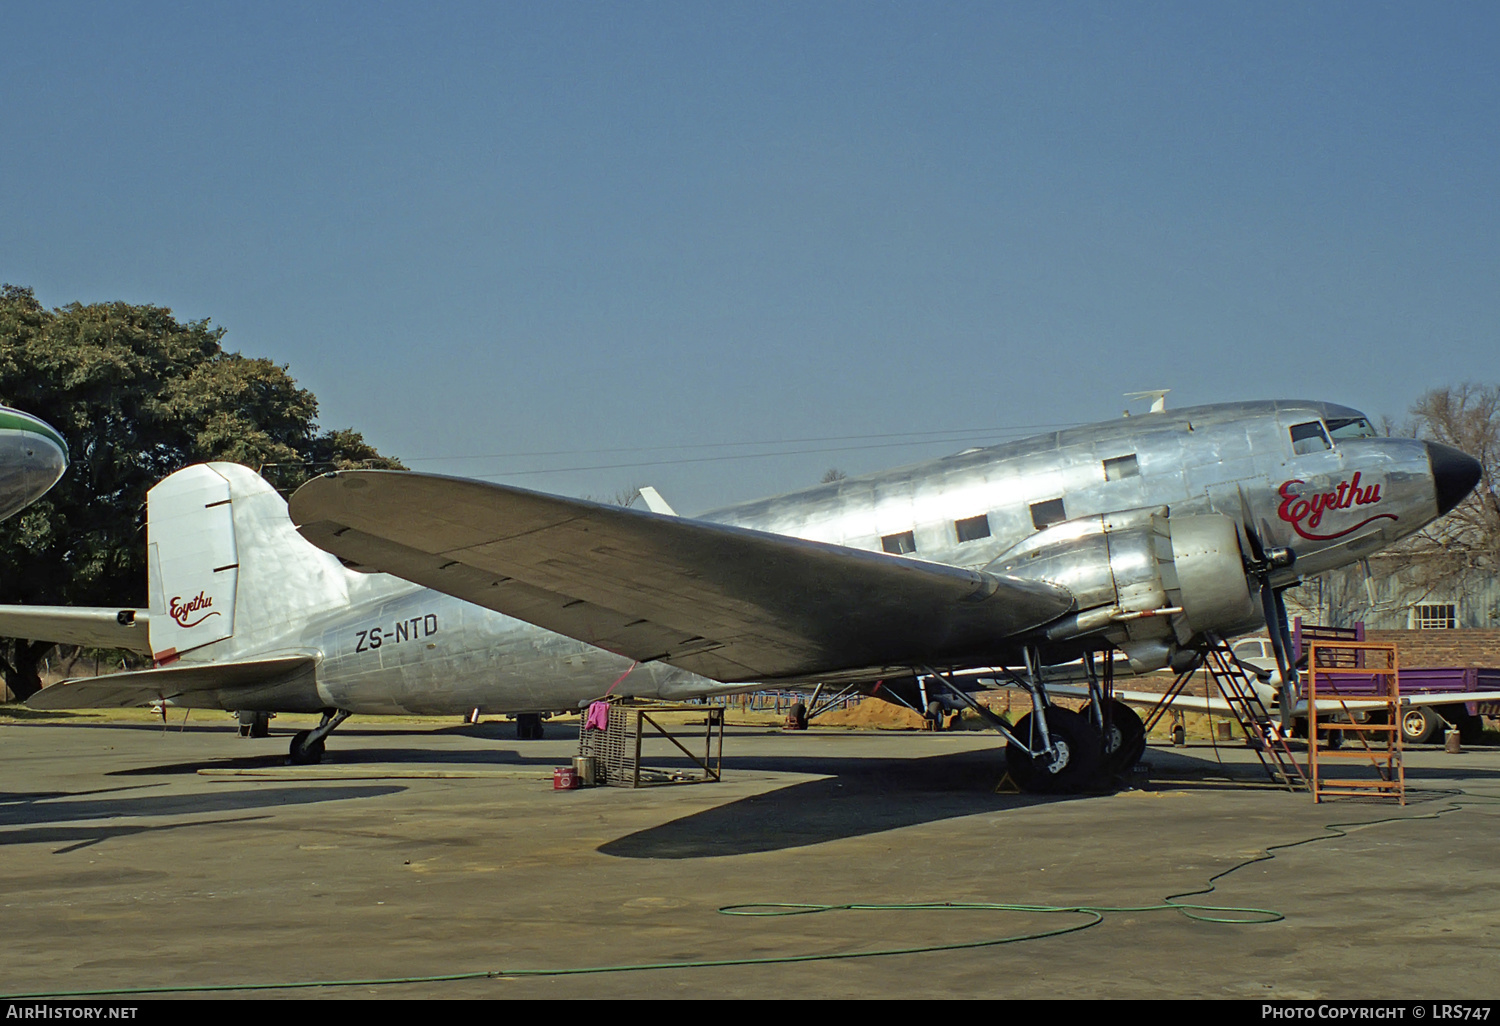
[
  {"x": 1124, "y": 740},
  {"x": 1421, "y": 725},
  {"x": 934, "y": 715},
  {"x": 304, "y": 754},
  {"x": 1076, "y": 766},
  {"x": 529, "y": 727}
]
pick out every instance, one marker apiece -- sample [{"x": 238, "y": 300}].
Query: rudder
[{"x": 225, "y": 565}]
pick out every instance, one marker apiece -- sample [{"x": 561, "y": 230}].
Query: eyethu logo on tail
[
  {"x": 1305, "y": 512},
  {"x": 182, "y": 611}
]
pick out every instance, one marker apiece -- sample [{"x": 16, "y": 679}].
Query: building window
[
  {"x": 899, "y": 544},
  {"x": 1045, "y": 514},
  {"x": 1442, "y": 617},
  {"x": 1121, "y": 467},
  {"x": 973, "y": 528},
  {"x": 1309, "y": 437}
]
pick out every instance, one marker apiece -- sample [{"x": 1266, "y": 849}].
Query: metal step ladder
[{"x": 1255, "y": 720}]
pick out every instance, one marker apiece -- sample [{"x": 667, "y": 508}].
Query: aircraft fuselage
[{"x": 1347, "y": 495}]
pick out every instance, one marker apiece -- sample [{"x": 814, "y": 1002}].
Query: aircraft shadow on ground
[
  {"x": 75, "y": 838},
  {"x": 858, "y": 797},
  {"x": 32, "y": 815}
]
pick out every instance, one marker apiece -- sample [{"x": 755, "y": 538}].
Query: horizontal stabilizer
[
  {"x": 283, "y": 684},
  {"x": 106, "y": 627}
]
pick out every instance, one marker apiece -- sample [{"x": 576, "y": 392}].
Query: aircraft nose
[
  {"x": 1454, "y": 474},
  {"x": 49, "y": 462}
]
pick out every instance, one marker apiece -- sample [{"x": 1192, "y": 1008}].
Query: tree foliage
[
  {"x": 138, "y": 395},
  {"x": 1464, "y": 544}
]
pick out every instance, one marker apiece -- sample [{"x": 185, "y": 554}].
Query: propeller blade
[{"x": 1257, "y": 551}]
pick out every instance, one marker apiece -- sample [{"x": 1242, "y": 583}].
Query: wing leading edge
[{"x": 729, "y": 603}]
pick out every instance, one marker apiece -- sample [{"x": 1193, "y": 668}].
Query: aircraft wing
[
  {"x": 109, "y": 627},
  {"x": 1149, "y": 699},
  {"x": 1219, "y": 707},
  {"x": 285, "y": 684},
  {"x": 729, "y": 603}
]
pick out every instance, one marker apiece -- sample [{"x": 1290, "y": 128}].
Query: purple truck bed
[{"x": 1440, "y": 680}]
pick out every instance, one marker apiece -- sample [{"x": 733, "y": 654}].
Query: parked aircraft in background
[
  {"x": 33, "y": 458},
  {"x": 1154, "y": 535}
]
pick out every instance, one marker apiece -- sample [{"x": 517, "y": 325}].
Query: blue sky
[{"x": 626, "y": 233}]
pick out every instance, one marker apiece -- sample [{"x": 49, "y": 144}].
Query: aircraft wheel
[
  {"x": 1075, "y": 765},
  {"x": 304, "y": 754},
  {"x": 1420, "y": 725},
  {"x": 529, "y": 727},
  {"x": 934, "y": 715},
  {"x": 1124, "y": 741}
]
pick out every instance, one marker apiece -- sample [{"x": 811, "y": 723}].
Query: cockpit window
[
  {"x": 1309, "y": 437},
  {"x": 1351, "y": 427}
]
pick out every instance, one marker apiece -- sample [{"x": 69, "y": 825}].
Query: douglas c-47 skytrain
[{"x": 1153, "y": 536}]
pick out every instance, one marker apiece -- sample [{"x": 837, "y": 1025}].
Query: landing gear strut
[
  {"x": 307, "y": 746},
  {"x": 1055, "y": 750}
]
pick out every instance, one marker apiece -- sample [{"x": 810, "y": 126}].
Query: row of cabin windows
[
  {"x": 1306, "y": 438},
  {"x": 1043, "y": 514}
]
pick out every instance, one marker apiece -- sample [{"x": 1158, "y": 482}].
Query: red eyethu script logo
[
  {"x": 180, "y": 610},
  {"x": 1305, "y": 512}
]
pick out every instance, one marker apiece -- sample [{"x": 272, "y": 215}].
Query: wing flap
[
  {"x": 282, "y": 684},
  {"x": 727, "y": 602},
  {"x": 107, "y": 627}
]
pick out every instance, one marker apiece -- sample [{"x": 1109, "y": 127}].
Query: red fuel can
[{"x": 565, "y": 778}]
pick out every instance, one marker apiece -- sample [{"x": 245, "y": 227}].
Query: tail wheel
[
  {"x": 1074, "y": 763},
  {"x": 304, "y": 754}
]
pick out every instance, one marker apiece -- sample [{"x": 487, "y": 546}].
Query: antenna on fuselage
[{"x": 1158, "y": 397}]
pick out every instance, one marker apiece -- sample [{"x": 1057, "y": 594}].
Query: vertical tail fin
[{"x": 227, "y": 568}]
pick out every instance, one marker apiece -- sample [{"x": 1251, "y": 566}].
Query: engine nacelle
[{"x": 1147, "y": 581}]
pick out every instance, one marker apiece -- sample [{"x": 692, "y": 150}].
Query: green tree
[{"x": 138, "y": 395}]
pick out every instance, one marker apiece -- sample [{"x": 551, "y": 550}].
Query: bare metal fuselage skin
[
  {"x": 1198, "y": 460},
  {"x": 420, "y": 652},
  {"x": 387, "y": 646}
]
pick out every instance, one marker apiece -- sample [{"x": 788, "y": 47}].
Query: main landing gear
[
  {"x": 1053, "y": 750},
  {"x": 307, "y": 745}
]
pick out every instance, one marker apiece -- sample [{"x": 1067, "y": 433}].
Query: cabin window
[
  {"x": 1351, "y": 427},
  {"x": 1441, "y": 617},
  {"x": 1121, "y": 467},
  {"x": 899, "y": 544},
  {"x": 973, "y": 528},
  {"x": 1045, "y": 514},
  {"x": 1309, "y": 437}
]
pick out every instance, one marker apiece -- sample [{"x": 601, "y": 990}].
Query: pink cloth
[{"x": 598, "y": 717}]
